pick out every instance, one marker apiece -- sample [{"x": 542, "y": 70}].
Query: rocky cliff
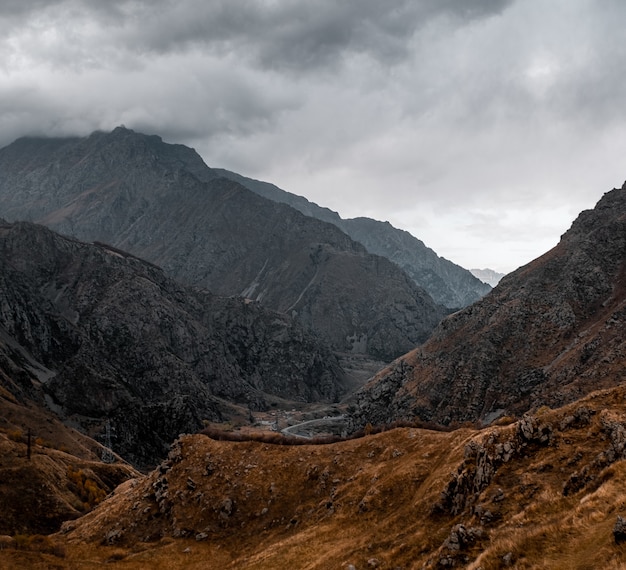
[
  {"x": 549, "y": 333},
  {"x": 100, "y": 334},
  {"x": 447, "y": 283},
  {"x": 160, "y": 202}
]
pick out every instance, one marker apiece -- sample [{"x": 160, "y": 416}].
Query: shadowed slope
[{"x": 104, "y": 335}]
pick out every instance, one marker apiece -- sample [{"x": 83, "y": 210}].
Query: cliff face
[
  {"x": 161, "y": 202},
  {"x": 100, "y": 335},
  {"x": 447, "y": 283},
  {"x": 549, "y": 333}
]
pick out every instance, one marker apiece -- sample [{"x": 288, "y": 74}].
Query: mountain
[
  {"x": 447, "y": 283},
  {"x": 97, "y": 334},
  {"x": 550, "y": 332},
  {"x": 544, "y": 492},
  {"x": 488, "y": 276},
  {"x": 160, "y": 202}
]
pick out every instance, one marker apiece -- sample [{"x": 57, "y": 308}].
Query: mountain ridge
[
  {"x": 163, "y": 204},
  {"x": 446, "y": 282},
  {"x": 545, "y": 491},
  {"x": 489, "y": 276},
  {"x": 97, "y": 335},
  {"x": 549, "y": 333}
]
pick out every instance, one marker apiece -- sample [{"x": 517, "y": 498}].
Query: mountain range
[
  {"x": 447, "y": 283},
  {"x": 176, "y": 298},
  {"x": 161, "y": 202}
]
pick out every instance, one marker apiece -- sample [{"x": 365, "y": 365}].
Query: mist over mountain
[
  {"x": 447, "y": 283},
  {"x": 162, "y": 203},
  {"x": 549, "y": 333}
]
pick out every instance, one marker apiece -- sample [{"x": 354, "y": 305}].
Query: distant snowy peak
[{"x": 488, "y": 276}]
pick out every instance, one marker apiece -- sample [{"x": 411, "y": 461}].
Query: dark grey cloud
[
  {"x": 288, "y": 35},
  {"x": 14, "y": 9},
  {"x": 303, "y": 35}
]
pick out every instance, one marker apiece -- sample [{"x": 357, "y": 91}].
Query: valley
[{"x": 202, "y": 370}]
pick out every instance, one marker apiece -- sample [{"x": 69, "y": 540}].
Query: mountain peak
[{"x": 489, "y": 276}]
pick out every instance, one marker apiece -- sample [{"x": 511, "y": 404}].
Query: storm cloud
[{"x": 481, "y": 127}]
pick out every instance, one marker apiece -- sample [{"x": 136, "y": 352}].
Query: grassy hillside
[{"x": 542, "y": 492}]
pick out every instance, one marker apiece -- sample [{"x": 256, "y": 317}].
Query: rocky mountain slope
[
  {"x": 551, "y": 332},
  {"x": 160, "y": 202},
  {"x": 447, "y": 283},
  {"x": 545, "y": 492},
  {"x": 100, "y": 334}
]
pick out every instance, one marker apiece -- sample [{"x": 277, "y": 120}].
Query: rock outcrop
[
  {"x": 161, "y": 203},
  {"x": 102, "y": 335},
  {"x": 551, "y": 332}
]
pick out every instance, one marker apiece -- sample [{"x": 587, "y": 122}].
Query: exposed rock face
[
  {"x": 549, "y": 333},
  {"x": 619, "y": 530},
  {"x": 107, "y": 335},
  {"x": 447, "y": 283},
  {"x": 161, "y": 202}
]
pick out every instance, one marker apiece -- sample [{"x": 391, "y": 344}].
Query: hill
[
  {"x": 551, "y": 332},
  {"x": 60, "y": 478},
  {"x": 543, "y": 492},
  {"x": 161, "y": 203}
]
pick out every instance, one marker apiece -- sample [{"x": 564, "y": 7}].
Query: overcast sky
[{"x": 483, "y": 127}]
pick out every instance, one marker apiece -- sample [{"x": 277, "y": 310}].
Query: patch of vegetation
[{"x": 84, "y": 486}]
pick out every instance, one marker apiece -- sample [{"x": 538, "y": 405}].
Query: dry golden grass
[
  {"x": 366, "y": 502},
  {"x": 62, "y": 479}
]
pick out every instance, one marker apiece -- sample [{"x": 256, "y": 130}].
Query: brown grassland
[{"x": 390, "y": 500}]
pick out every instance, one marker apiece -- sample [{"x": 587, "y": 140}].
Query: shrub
[{"x": 86, "y": 488}]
